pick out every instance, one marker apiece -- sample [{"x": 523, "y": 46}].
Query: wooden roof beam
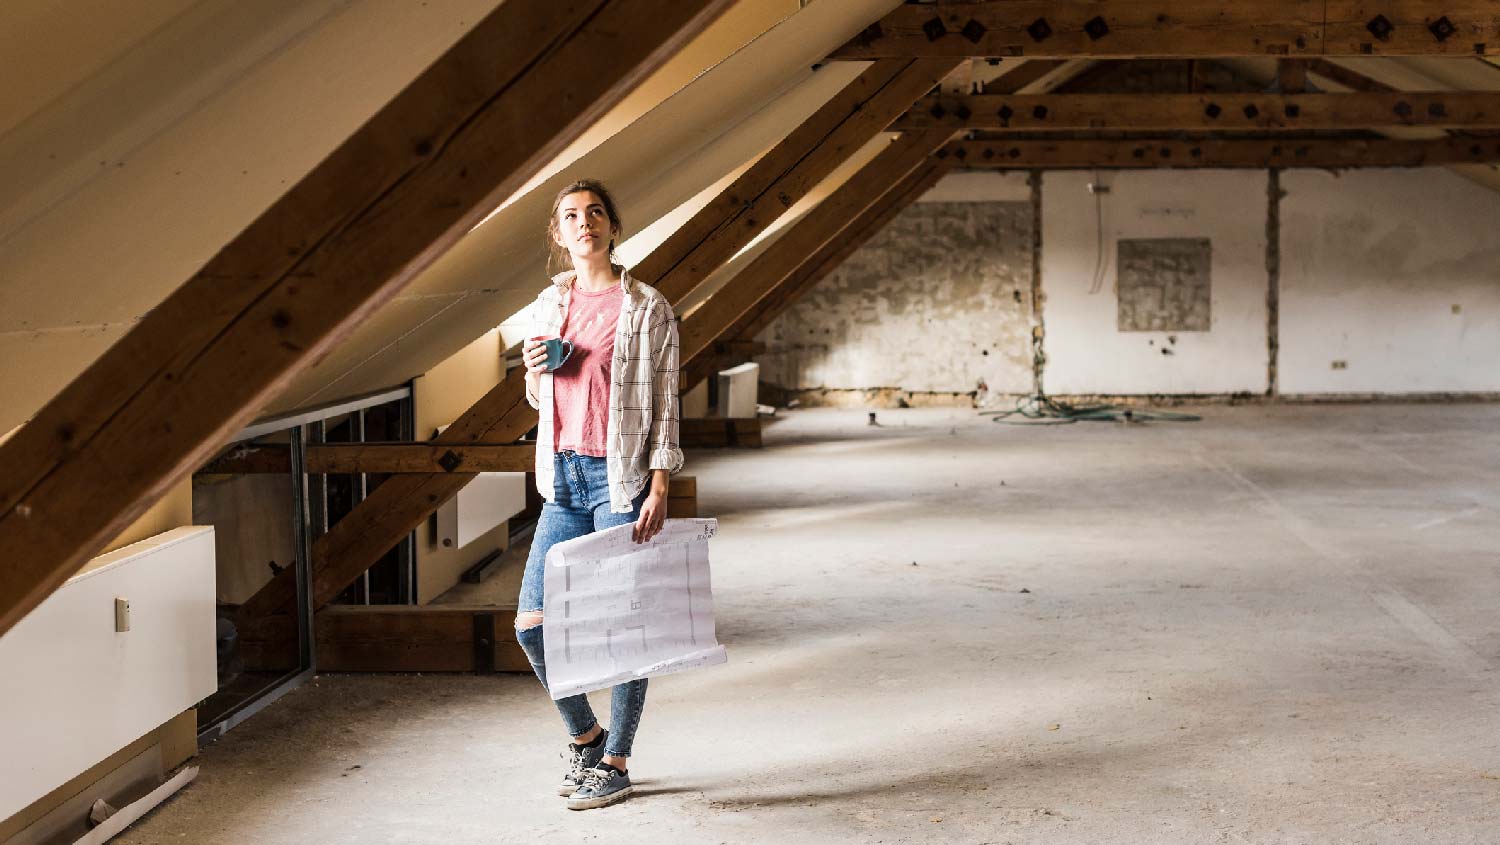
[
  {"x": 764, "y": 192},
  {"x": 1334, "y": 154},
  {"x": 706, "y": 325},
  {"x": 815, "y": 267},
  {"x": 474, "y": 127},
  {"x": 1126, "y": 29},
  {"x": 774, "y": 183},
  {"x": 1207, "y": 112},
  {"x": 385, "y": 458}
]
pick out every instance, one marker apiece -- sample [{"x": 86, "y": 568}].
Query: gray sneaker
[
  {"x": 601, "y": 787},
  {"x": 581, "y": 760}
]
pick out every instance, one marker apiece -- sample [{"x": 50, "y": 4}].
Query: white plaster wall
[
  {"x": 1373, "y": 263},
  {"x": 1085, "y": 351}
]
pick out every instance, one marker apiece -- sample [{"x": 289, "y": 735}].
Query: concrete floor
[{"x": 1275, "y": 625}]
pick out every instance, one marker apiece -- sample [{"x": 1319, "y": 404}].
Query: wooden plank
[
  {"x": 1412, "y": 28},
  {"x": 396, "y": 638},
  {"x": 1085, "y": 28},
  {"x": 1207, "y": 112},
  {"x": 817, "y": 266},
  {"x": 1274, "y": 152},
  {"x": 1125, "y": 29},
  {"x": 708, "y": 332},
  {"x": 683, "y": 486},
  {"x": 708, "y": 323},
  {"x": 1291, "y": 76},
  {"x": 785, "y": 174},
  {"x": 682, "y": 497},
  {"x": 743, "y": 210},
  {"x": 387, "y": 458},
  {"x": 470, "y": 130},
  {"x": 718, "y": 433},
  {"x": 1345, "y": 77}
]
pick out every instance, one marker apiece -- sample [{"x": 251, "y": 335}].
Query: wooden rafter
[
  {"x": 815, "y": 267},
  {"x": 765, "y": 191},
  {"x": 711, "y": 334},
  {"x": 1349, "y": 79},
  {"x": 1337, "y": 153},
  {"x": 818, "y": 265},
  {"x": 1291, "y": 76},
  {"x": 1207, "y": 112},
  {"x": 474, "y": 127},
  {"x": 1181, "y": 29},
  {"x": 785, "y": 174},
  {"x": 385, "y": 458},
  {"x": 711, "y": 320}
]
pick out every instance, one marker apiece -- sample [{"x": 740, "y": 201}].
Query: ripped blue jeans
[{"x": 579, "y": 506}]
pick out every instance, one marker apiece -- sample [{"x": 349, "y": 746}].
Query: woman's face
[{"x": 583, "y": 227}]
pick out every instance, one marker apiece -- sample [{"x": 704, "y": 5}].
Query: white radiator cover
[
  {"x": 77, "y": 690},
  {"x": 739, "y": 389}
]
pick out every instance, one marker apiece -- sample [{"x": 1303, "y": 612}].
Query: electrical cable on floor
[{"x": 1037, "y": 409}]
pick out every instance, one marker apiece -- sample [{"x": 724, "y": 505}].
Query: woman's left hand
[{"x": 653, "y": 514}]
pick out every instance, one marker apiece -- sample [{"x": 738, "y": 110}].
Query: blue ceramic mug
[{"x": 558, "y": 351}]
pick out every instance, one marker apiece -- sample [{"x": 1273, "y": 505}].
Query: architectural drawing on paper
[{"x": 616, "y": 610}]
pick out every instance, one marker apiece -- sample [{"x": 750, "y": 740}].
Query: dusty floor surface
[{"x": 1275, "y": 625}]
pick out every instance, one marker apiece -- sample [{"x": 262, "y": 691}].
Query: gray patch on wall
[
  {"x": 937, "y": 301},
  {"x": 1164, "y": 285}
]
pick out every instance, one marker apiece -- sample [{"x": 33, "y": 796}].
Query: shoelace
[
  {"x": 595, "y": 778},
  {"x": 575, "y": 764}
]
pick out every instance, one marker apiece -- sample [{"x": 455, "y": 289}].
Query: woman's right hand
[{"x": 534, "y": 354}]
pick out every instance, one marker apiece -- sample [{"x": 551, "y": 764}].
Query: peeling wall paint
[
  {"x": 1390, "y": 283},
  {"x": 1387, "y": 283},
  {"x": 1164, "y": 284},
  {"x": 937, "y": 301}
]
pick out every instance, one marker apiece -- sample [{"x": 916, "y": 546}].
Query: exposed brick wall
[{"x": 938, "y": 301}]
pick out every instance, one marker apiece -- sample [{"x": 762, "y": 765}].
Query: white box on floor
[{"x": 739, "y": 389}]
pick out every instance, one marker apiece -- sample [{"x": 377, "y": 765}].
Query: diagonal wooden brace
[{"x": 766, "y": 190}]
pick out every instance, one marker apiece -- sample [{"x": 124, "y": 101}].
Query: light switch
[{"x": 122, "y": 615}]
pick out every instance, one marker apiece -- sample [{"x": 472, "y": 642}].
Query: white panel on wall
[
  {"x": 78, "y": 690},
  {"x": 490, "y": 499},
  {"x": 1390, "y": 283},
  {"x": 1086, "y": 351}
]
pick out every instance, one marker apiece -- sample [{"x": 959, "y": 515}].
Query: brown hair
[{"x": 558, "y": 256}]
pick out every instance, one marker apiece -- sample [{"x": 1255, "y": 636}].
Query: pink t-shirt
[{"x": 580, "y": 387}]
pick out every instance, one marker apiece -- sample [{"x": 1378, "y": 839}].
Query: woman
[{"x": 606, "y": 445}]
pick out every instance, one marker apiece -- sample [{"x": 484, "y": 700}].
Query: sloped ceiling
[
  {"x": 113, "y": 193},
  {"x": 137, "y": 139},
  {"x": 130, "y": 168},
  {"x": 722, "y": 120}
]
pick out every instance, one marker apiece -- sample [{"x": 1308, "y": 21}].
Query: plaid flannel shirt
[{"x": 641, "y": 433}]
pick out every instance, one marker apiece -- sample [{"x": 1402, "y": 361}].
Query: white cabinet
[{"x": 77, "y": 690}]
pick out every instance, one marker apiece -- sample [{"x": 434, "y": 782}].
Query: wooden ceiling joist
[
  {"x": 386, "y": 458},
  {"x": 818, "y": 265},
  {"x": 813, "y": 269},
  {"x": 1207, "y": 112},
  {"x": 474, "y": 127},
  {"x": 1333, "y": 154},
  {"x": 706, "y": 325},
  {"x": 711, "y": 237},
  {"x": 1126, "y": 29},
  {"x": 773, "y": 184}
]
